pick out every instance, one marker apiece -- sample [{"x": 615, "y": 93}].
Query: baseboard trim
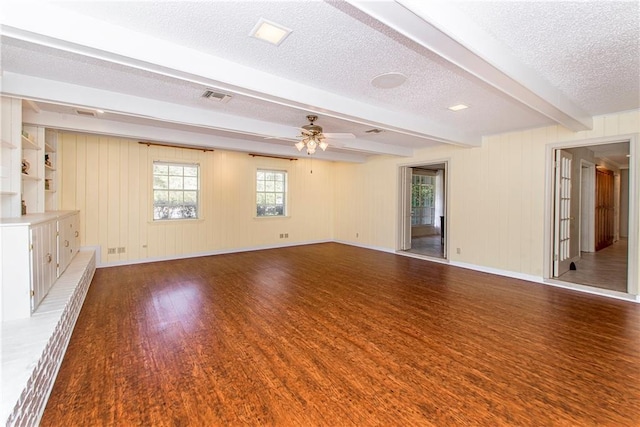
[
  {"x": 206, "y": 253},
  {"x": 474, "y": 267}
]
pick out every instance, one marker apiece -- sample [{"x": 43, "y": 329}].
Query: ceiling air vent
[
  {"x": 374, "y": 131},
  {"x": 86, "y": 113},
  {"x": 216, "y": 96}
]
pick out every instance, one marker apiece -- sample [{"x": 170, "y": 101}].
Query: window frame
[
  {"x": 182, "y": 164},
  {"x": 286, "y": 207}
]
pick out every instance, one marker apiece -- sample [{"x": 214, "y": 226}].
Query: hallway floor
[
  {"x": 428, "y": 246},
  {"x": 606, "y": 269}
]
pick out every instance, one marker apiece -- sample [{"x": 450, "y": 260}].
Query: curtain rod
[
  {"x": 272, "y": 157},
  {"x": 158, "y": 144}
]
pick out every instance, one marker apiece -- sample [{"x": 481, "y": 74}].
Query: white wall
[
  {"x": 109, "y": 180},
  {"x": 496, "y": 195},
  {"x": 624, "y": 203},
  {"x": 496, "y": 198}
]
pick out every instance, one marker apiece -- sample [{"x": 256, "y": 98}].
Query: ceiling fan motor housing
[{"x": 311, "y": 128}]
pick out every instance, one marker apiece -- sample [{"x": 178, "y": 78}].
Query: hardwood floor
[
  {"x": 606, "y": 268},
  {"x": 331, "y": 335}
]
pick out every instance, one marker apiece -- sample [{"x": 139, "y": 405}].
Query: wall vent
[
  {"x": 86, "y": 113},
  {"x": 374, "y": 131},
  {"x": 216, "y": 96}
]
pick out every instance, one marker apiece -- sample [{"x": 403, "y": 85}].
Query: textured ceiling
[
  {"x": 585, "y": 54},
  {"x": 589, "y": 50}
]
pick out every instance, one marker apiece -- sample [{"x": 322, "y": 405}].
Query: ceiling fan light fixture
[
  {"x": 323, "y": 145},
  {"x": 299, "y": 145},
  {"x": 270, "y": 32}
]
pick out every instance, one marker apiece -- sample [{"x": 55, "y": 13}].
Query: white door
[
  {"x": 587, "y": 206},
  {"x": 562, "y": 213},
  {"x": 407, "y": 180}
]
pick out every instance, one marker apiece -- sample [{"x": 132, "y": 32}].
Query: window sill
[
  {"x": 272, "y": 217},
  {"x": 175, "y": 221}
]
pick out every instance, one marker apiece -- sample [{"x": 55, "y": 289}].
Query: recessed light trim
[
  {"x": 270, "y": 32},
  {"x": 458, "y": 107},
  {"x": 388, "y": 80}
]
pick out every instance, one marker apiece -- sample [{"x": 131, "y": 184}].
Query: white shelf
[
  {"x": 27, "y": 144},
  {"x": 30, "y": 177},
  {"x": 7, "y": 144},
  {"x": 48, "y": 148},
  {"x": 49, "y": 168},
  {"x": 8, "y": 193},
  {"x": 49, "y": 191}
]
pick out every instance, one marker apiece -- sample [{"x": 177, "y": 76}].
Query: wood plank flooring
[
  {"x": 333, "y": 335},
  {"x": 606, "y": 268}
]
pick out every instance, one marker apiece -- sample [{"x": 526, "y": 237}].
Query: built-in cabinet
[
  {"x": 10, "y": 156},
  {"x": 28, "y": 173},
  {"x": 36, "y": 249}
]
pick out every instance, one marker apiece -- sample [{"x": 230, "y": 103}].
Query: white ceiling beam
[
  {"x": 35, "y": 88},
  {"x": 441, "y": 28},
  {"x": 67, "y": 122},
  {"x": 59, "y": 28}
]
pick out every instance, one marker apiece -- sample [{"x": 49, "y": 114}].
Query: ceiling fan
[{"x": 313, "y": 137}]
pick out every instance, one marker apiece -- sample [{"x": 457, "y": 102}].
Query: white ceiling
[{"x": 518, "y": 65}]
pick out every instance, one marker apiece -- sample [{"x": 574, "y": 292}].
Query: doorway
[
  {"x": 590, "y": 210},
  {"x": 423, "y": 210}
]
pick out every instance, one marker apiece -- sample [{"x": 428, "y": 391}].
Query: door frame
[
  {"x": 400, "y": 234},
  {"x": 634, "y": 205}
]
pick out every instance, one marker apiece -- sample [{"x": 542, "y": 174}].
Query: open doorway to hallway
[
  {"x": 591, "y": 202},
  {"x": 423, "y": 210}
]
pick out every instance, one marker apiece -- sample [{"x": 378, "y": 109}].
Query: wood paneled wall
[
  {"x": 109, "y": 180},
  {"x": 496, "y": 195}
]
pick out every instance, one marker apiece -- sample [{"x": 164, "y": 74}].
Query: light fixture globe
[{"x": 312, "y": 137}]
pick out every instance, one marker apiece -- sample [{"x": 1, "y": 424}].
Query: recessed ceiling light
[
  {"x": 270, "y": 32},
  {"x": 100, "y": 111},
  {"x": 458, "y": 107},
  {"x": 388, "y": 80}
]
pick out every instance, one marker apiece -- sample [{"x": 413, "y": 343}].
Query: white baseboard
[
  {"x": 206, "y": 253},
  {"x": 475, "y": 267}
]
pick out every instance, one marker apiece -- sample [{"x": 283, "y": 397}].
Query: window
[
  {"x": 422, "y": 200},
  {"x": 271, "y": 193},
  {"x": 175, "y": 191}
]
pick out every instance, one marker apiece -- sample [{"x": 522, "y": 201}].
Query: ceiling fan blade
[
  {"x": 334, "y": 143},
  {"x": 339, "y": 135},
  {"x": 281, "y": 138}
]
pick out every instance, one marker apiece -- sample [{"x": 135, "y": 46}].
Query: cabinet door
[
  {"x": 68, "y": 236},
  {"x": 43, "y": 265}
]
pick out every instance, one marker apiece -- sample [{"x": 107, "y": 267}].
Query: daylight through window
[
  {"x": 271, "y": 193},
  {"x": 175, "y": 190},
  {"x": 422, "y": 200}
]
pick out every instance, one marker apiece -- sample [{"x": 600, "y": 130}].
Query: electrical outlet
[
  {"x": 357, "y": 235},
  {"x": 286, "y": 235},
  {"x": 121, "y": 250},
  {"x": 111, "y": 251},
  {"x": 281, "y": 235},
  {"x": 458, "y": 251}
]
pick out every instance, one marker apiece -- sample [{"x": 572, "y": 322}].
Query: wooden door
[
  {"x": 562, "y": 213},
  {"x": 604, "y": 208}
]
